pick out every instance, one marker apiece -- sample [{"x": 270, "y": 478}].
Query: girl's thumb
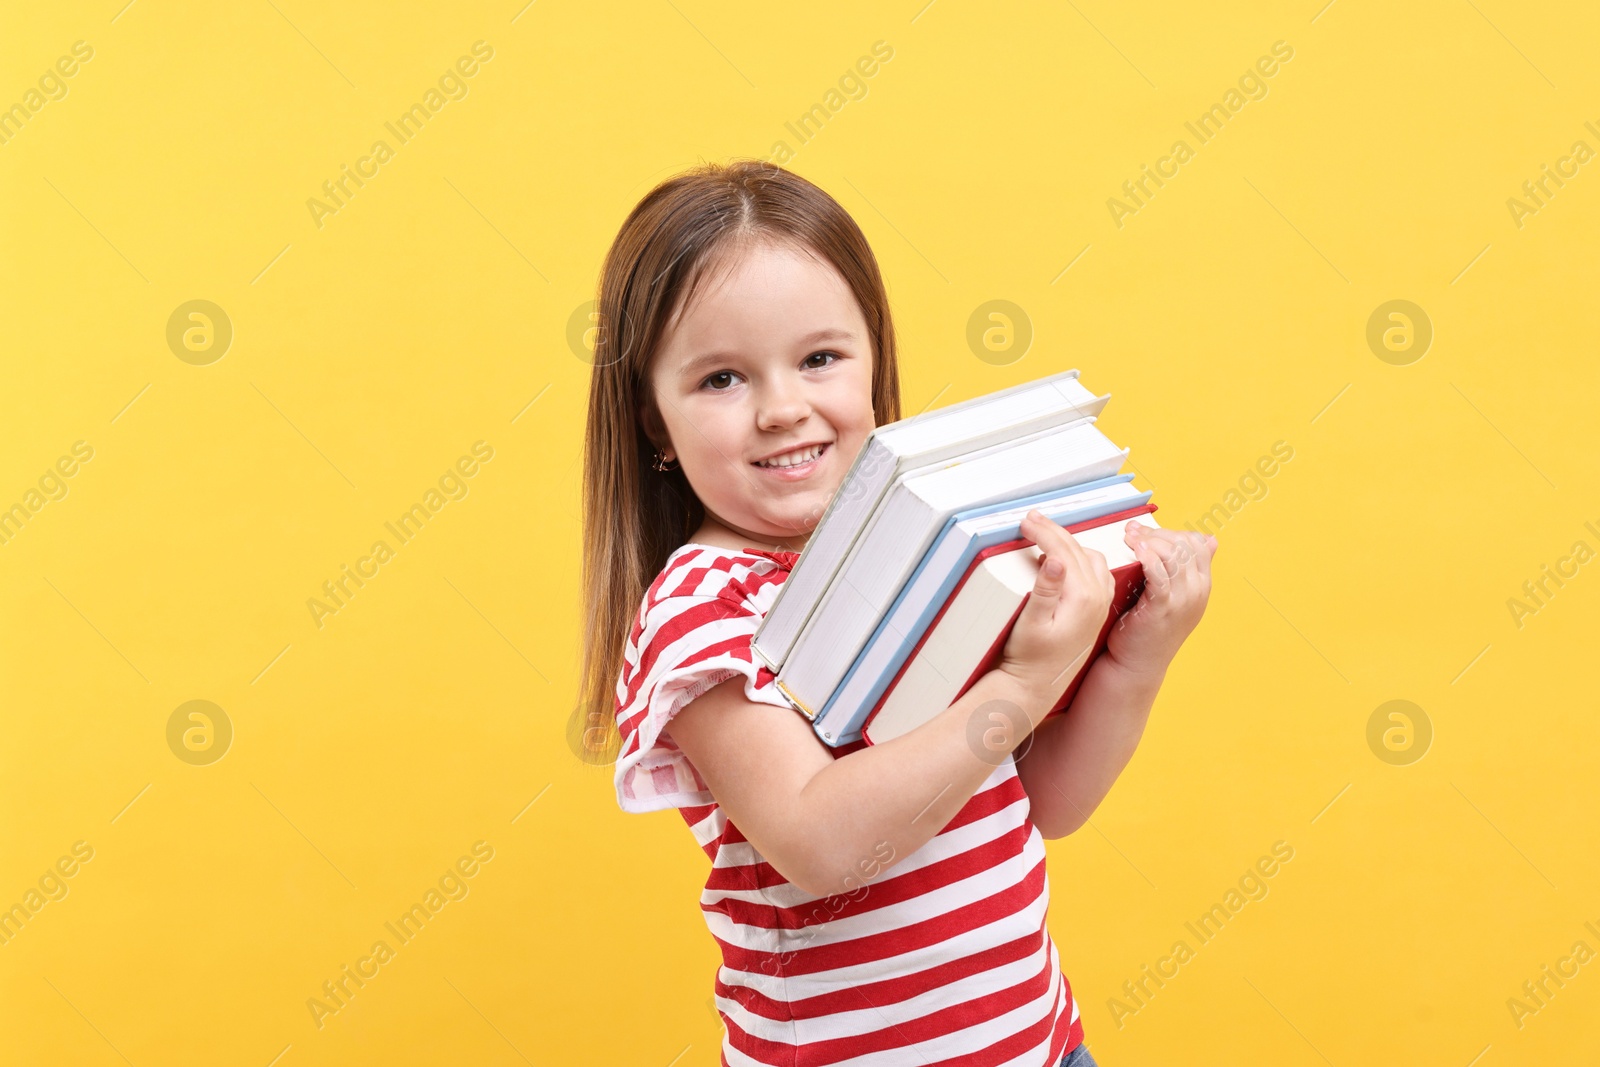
[{"x": 1048, "y": 584}]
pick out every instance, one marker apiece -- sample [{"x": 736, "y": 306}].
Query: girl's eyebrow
[{"x": 708, "y": 359}]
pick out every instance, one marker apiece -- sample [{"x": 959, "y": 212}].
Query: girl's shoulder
[
  {"x": 785, "y": 560},
  {"x": 702, "y": 569},
  {"x": 696, "y": 628},
  {"x": 694, "y": 573}
]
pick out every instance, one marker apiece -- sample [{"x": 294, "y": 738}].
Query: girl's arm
[
  {"x": 1075, "y": 757},
  {"x": 825, "y": 823}
]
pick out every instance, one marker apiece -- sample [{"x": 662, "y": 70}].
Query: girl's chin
[{"x": 789, "y": 526}]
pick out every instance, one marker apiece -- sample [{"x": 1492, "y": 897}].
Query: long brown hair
[{"x": 634, "y": 516}]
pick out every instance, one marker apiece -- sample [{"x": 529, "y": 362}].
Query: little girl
[{"x": 874, "y": 905}]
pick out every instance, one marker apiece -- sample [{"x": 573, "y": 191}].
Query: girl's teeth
[{"x": 791, "y": 461}]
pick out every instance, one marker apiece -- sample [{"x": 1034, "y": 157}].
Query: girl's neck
[{"x": 717, "y": 535}]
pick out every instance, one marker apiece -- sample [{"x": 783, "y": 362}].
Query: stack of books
[{"x": 910, "y": 583}]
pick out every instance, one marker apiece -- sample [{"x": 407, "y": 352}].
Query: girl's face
[{"x": 772, "y": 358}]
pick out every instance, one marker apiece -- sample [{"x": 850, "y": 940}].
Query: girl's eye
[{"x": 712, "y": 380}]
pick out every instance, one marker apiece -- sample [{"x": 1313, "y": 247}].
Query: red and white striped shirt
[{"x": 943, "y": 958}]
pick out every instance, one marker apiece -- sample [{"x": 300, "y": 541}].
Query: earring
[{"x": 660, "y": 463}]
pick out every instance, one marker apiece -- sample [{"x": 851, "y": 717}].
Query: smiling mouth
[{"x": 816, "y": 452}]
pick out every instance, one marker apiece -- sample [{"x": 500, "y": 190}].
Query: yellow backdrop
[{"x": 283, "y": 280}]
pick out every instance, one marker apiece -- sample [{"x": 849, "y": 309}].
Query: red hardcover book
[{"x": 1125, "y": 569}]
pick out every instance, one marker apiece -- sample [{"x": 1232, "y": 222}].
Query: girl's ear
[{"x": 654, "y": 429}]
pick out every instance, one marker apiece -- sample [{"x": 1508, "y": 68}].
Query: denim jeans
[{"x": 1078, "y": 1057}]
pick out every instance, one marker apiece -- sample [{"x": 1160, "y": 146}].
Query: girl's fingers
[
  {"x": 1047, "y": 586},
  {"x": 1095, "y": 571},
  {"x": 1208, "y": 548},
  {"x": 1163, "y": 547},
  {"x": 1197, "y": 569},
  {"x": 1199, "y": 549},
  {"x": 1184, "y": 576},
  {"x": 1175, "y": 561},
  {"x": 1190, "y": 551},
  {"x": 1045, "y": 534},
  {"x": 1157, "y": 584},
  {"x": 1083, "y": 564},
  {"x": 1163, "y": 541},
  {"x": 1050, "y": 537},
  {"x": 1039, "y": 528},
  {"x": 1040, "y": 607}
]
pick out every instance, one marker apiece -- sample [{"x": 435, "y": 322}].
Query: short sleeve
[{"x": 681, "y": 646}]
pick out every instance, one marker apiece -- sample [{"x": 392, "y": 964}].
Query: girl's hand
[
  {"x": 1177, "y": 584},
  {"x": 1057, "y": 628}
]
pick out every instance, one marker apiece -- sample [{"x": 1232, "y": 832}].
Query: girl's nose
[{"x": 783, "y": 404}]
